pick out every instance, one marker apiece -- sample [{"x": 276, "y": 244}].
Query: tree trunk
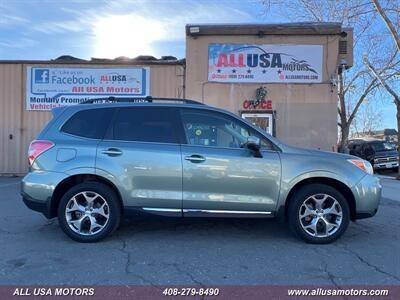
[
  {"x": 344, "y": 125},
  {"x": 344, "y": 138}
]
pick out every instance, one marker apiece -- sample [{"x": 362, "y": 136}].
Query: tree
[
  {"x": 388, "y": 22},
  {"x": 357, "y": 83},
  {"x": 369, "y": 119},
  {"x": 347, "y": 111},
  {"x": 378, "y": 76}
]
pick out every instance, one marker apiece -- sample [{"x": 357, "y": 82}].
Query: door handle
[
  {"x": 195, "y": 158},
  {"x": 112, "y": 152}
]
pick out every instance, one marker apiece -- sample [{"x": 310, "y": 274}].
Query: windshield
[{"x": 382, "y": 146}]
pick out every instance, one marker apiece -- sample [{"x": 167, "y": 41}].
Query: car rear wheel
[
  {"x": 318, "y": 214},
  {"x": 89, "y": 212}
]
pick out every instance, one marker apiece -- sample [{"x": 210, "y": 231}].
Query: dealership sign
[
  {"x": 49, "y": 87},
  {"x": 265, "y": 63}
]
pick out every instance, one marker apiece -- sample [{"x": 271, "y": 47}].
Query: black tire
[
  {"x": 296, "y": 203},
  {"x": 114, "y": 211}
]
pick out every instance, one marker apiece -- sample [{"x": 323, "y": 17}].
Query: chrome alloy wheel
[
  {"x": 87, "y": 213},
  {"x": 320, "y": 215}
]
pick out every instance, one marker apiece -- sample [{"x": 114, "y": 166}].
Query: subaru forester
[{"x": 99, "y": 161}]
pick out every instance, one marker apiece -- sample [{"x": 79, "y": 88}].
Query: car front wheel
[
  {"x": 318, "y": 214},
  {"x": 89, "y": 212}
]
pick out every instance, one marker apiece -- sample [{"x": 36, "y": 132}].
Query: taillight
[{"x": 36, "y": 148}]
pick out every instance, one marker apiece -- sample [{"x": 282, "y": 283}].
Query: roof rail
[{"x": 138, "y": 99}]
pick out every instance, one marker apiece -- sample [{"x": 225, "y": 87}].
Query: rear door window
[
  {"x": 142, "y": 124},
  {"x": 89, "y": 123}
]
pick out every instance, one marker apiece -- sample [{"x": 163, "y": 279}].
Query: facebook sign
[
  {"x": 50, "y": 87},
  {"x": 42, "y": 75}
]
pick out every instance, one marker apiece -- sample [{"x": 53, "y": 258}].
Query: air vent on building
[
  {"x": 342, "y": 47},
  {"x": 346, "y": 48}
]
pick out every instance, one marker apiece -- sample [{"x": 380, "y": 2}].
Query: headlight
[{"x": 363, "y": 165}]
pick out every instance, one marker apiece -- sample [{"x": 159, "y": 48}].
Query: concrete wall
[
  {"x": 306, "y": 114},
  {"x": 18, "y": 127}
]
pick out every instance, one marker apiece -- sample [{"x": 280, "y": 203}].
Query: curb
[{"x": 386, "y": 177}]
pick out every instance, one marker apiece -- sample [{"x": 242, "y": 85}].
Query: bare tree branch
[
  {"x": 388, "y": 23},
  {"x": 310, "y": 9},
  {"x": 361, "y": 99},
  {"x": 381, "y": 80},
  {"x": 355, "y": 77}
]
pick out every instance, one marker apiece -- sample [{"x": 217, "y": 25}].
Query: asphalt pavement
[{"x": 203, "y": 252}]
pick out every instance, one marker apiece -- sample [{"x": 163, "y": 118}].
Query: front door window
[{"x": 217, "y": 130}]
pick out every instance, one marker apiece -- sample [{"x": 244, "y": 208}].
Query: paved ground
[
  {"x": 172, "y": 251},
  {"x": 390, "y": 173}
]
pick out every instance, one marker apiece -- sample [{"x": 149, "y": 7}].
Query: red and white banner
[{"x": 265, "y": 63}]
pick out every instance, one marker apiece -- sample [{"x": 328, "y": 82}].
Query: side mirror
[
  {"x": 368, "y": 152},
  {"x": 253, "y": 143}
]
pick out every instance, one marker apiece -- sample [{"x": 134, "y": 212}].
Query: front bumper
[
  {"x": 386, "y": 165},
  {"x": 37, "y": 189},
  {"x": 367, "y": 194}
]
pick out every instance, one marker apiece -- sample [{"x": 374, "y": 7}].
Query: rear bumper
[
  {"x": 367, "y": 194},
  {"x": 366, "y": 215},
  {"x": 37, "y": 189},
  {"x": 37, "y": 205}
]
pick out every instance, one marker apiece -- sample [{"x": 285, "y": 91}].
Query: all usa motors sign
[
  {"x": 49, "y": 87},
  {"x": 265, "y": 63}
]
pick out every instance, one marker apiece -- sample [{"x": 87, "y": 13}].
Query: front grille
[{"x": 386, "y": 160}]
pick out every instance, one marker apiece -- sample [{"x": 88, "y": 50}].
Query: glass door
[{"x": 262, "y": 120}]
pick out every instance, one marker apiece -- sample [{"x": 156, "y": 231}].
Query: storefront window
[{"x": 261, "y": 120}]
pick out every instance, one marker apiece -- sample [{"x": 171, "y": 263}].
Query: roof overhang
[{"x": 304, "y": 28}]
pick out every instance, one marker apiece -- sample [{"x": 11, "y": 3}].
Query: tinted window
[
  {"x": 90, "y": 123},
  {"x": 214, "y": 129},
  {"x": 382, "y": 146},
  {"x": 145, "y": 125}
]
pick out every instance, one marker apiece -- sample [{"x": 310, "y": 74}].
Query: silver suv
[{"x": 96, "y": 162}]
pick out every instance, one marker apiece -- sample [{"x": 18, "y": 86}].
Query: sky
[
  {"x": 98, "y": 28},
  {"x": 40, "y": 29}
]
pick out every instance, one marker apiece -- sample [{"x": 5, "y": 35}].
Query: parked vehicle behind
[
  {"x": 381, "y": 154},
  {"x": 94, "y": 163}
]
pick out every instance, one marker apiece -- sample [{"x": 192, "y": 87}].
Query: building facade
[
  {"x": 281, "y": 77},
  {"x": 294, "y": 68},
  {"x": 20, "y": 123}
]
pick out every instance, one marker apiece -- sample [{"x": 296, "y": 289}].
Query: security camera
[{"x": 334, "y": 81}]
